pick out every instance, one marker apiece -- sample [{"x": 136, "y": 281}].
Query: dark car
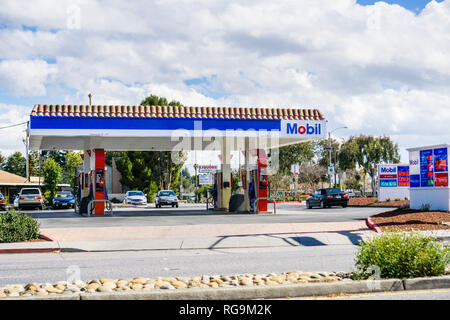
[
  {"x": 63, "y": 199},
  {"x": 325, "y": 198},
  {"x": 166, "y": 198},
  {"x": 2, "y": 202}
]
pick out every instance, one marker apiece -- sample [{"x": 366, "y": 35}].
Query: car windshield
[
  {"x": 135, "y": 193},
  {"x": 64, "y": 195},
  {"x": 30, "y": 191},
  {"x": 167, "y": 194}
]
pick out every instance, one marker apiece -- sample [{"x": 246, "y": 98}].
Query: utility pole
[
  {"x": 196, "y": 180},
  {"x": 28, "y": 156},
  {"x": 90, "y": 98},
  {"x": 329, "y": 154}
]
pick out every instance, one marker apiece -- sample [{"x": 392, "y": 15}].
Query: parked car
[
  {"x": 166, "y": 198},
  {"x": 2, "y": 202},
  {"x": 31, "y": 198},
  {"x": 325, "y": 198},
  {"x": 135, "y": 197},
  {"x": 350, "y": 192},
  {"x": 63, "y": 199}
]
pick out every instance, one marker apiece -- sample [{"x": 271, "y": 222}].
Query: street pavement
[
  {"x": 52, "y": 267},
  {"x": 192, "y": 227},
  {"x": 195, "y": 214}
]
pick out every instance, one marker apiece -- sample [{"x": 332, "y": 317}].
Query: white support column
[{"x": 226, "y": 173}]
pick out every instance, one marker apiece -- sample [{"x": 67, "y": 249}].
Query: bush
[
  {"x": 16, "y": 227},
  {"x": 401, "y": 255},
  {"x": 115, "y": 200}
]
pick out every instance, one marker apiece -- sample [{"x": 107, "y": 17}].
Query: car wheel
[
  {"x": 308, "y": 205},
  {"x": 176, "y": 205},
  {"x": 344, "y": 206}
]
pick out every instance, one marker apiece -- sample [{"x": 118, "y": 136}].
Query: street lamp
[{"x": 329, "y": 149}]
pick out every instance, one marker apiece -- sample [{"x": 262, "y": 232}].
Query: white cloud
[
  {"x": 25, "y": 77},
  {"x": 378, "y": 69}
]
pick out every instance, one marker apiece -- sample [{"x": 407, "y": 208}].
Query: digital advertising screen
[
  {"x": 426, "y": 168},
  {"x": 414, "y": 181},
  {"x": 388, "y": 183},
  {"x": 440, "y": 160},
  {"x": 403, "y": 176}
]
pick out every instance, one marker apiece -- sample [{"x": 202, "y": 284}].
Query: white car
[
  {"x": 135, "y": 197},
  {"x": 350, "y": 192}
]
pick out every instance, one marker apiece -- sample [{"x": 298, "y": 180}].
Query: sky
[{"x": 379, "y": 68}]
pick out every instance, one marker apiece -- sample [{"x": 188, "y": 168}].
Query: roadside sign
[
  {"x": 330, "y": 170},
  {"x": 205, "y": 179},
  {"x": 207, "y": 168}
]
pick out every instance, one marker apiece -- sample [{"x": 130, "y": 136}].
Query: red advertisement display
[{"x": 441, "y": 179}]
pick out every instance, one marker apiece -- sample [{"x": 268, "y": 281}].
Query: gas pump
[
  {"x": 252, "y": 189},
  {"x": 218, "y": 186},
  {"x": 92, "y": 182}
]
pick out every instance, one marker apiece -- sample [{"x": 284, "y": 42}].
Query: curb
[
  {"x": 360, "y": 206},
  {"x": 34, "y": 250},
  {"x": 46, "y": 237},
  {"x": 268, "y": 292},
  {"x": 372, "y": 225}
]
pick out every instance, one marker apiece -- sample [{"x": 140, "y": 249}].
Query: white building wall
[
  {"x": 437, "y": 199},
  {"x": 393, "y": 193}
]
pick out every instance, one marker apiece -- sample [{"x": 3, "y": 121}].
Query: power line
[{"x": 14, "y": 125}]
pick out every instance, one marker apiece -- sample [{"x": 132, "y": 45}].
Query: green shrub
[
  {"x": 16, "y": 227},
  {"x": 397, "y": 199},
  {"x": 388, "y": 200},
  {"x": 115, "y": 200},
  {"x": 401, "y": 255}
]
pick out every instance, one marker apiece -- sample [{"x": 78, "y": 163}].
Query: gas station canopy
[
  {"x": 96, "y": 129},
  {"x": 147, "y": 128}
]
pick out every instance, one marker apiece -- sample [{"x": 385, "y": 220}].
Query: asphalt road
[
  {"x": 52, "y": 267},
  {"x": 193, "y": 214}
]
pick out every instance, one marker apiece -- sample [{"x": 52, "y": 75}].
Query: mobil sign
[
  {"x": 387, "y": 176},
  {"x": 303, "y": 129}
]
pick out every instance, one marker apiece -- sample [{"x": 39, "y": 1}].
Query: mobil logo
[
  {"x": 388, "y": 169},
  {"x": 303, "y": 129}
]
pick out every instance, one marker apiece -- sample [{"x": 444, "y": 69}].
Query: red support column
[
  {"x": 262, "y": 179},
  {"x": 99, "y": 181}
]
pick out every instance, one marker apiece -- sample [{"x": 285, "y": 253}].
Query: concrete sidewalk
[
  {"x": 197, "y": 231},
  {"x": 218, "y": 242}
]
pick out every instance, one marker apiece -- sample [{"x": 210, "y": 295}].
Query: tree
[
  {"x": 311, "y": 173},
  {"x": 2, "y": 161},
  {"x": 73, "y": 160},
  {"x": 144, "y": 170},
  {"x": 52, "y": 173},
  {"x": 367, "y": 152},
  {"x": 153, "y": 100},
  {"x": 293, "y": 154},
  {"x": 16, "y": 164}
]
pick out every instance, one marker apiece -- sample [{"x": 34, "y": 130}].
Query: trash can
[{"x": 237, "y": 203}]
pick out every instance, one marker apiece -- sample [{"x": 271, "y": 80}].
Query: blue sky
[{"x": 415, "y": 6}]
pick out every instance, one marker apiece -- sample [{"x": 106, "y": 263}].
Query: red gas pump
[
  {"x": 99, "y": 190},
  {"x": 262, "y": 177}
]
